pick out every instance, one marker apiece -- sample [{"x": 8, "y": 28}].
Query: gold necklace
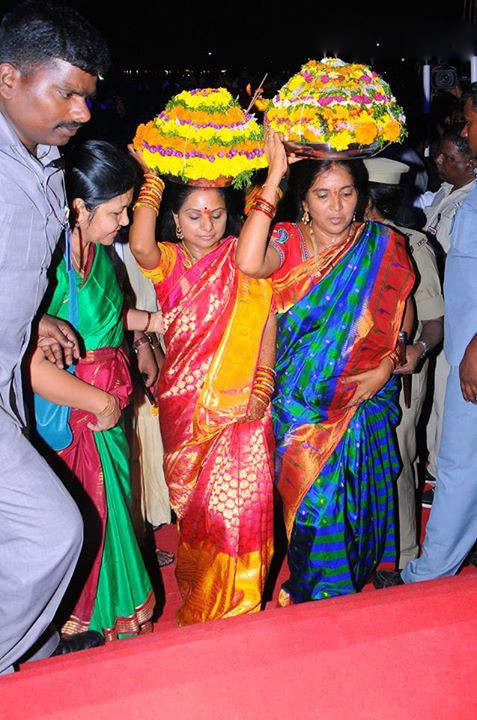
[
  {"x": 76, "y": 264},
  {"x": 331, "y": 245},
  {"x": 188, "y": 253},
  {"x": 313, "y": 239}
]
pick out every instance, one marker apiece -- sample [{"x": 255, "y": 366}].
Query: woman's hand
[
  {"x": 147, "y": 365},
  {"x": 144, "y": 321},
  {"x": 137, "y": 156},
  {"x": 276, "y": 156},
  {"x": 156, "y": 324},
  {"x": 368, "y": 383},
  {"x": 109, "y": 416},
  {"x": 256, "y": 409}
]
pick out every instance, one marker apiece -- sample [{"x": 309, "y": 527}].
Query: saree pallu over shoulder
[
  {"x": 338, "y": 316},
  {"x": 214, "y": 317},
  {"x": 219, "y": 470}
]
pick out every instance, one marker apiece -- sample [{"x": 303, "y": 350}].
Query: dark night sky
[
  {"x": 253, "y": 33},
  {"x": 259, "y": 38},
  {"x": 179, "y": 32},
  {"x": 262, "y": 39},
  {"x": 185, "y": 32}
]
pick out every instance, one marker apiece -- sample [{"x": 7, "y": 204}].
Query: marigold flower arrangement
[
  {"x": 203, "y": 135},
  {"x": 341, "y": 104}
]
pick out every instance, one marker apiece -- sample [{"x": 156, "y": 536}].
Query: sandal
[{"x": 164, "y": 558}]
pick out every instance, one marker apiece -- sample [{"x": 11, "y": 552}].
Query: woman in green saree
[{"x": 117, "y": 598}]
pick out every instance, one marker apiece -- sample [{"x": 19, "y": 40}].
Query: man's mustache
[{"x": 70, "y": 126}]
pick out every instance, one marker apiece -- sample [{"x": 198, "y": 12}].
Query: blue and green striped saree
[{"x": 336, "y": 466}]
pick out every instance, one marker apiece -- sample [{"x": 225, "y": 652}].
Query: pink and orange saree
[{"x": 217, "y": 466}]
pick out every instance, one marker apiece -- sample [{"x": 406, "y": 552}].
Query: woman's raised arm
[
  {"x": 254, "y": 257},
  {"x": 142, "y": 232}
]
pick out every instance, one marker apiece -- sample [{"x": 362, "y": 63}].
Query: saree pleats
[
  {"x": 335, "y": 466},
  {"x": 225, "y": 538},
  {"x": 218, "y": 468}
]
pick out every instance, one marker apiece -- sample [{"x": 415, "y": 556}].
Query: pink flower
[{"x": 362, "y": 99}]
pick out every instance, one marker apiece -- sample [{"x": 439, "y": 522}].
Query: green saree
[{"x": 114, "y": 592}]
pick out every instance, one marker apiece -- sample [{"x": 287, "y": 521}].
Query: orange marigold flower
[
  {"x": 366, "y": 133},
  {"x": 391, "y": 131}
]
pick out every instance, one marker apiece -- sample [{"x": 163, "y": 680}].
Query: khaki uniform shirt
[
  {"x": 427, "y": 291},
  {"x": 440, "y": 213}
]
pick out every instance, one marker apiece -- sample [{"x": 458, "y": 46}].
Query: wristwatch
[{"x": 425, "y": 347}]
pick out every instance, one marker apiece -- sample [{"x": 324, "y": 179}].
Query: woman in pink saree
[{"x": 214, "y": 391}]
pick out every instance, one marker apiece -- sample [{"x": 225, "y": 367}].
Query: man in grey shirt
[{"x": 50, "y": 57}]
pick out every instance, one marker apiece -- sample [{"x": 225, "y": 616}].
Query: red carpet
[{"x": 407, "y": 652}]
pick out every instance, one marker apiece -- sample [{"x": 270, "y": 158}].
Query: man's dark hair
[
  {"x": 454, "y": 134},
  {"x": 36, "y": 32},
  {"x": 472, "y": 94}
]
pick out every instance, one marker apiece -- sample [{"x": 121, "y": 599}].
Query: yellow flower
[
  {"x": 340, "y": 112},
  {"x": 341, "y": 140}
]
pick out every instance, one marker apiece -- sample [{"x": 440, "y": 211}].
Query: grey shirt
[{"x": 32, "y": 214}]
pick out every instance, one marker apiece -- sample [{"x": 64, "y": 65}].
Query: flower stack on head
[
  {"x": 332, "y": 106},
  {"x": 203, "y": 137}
]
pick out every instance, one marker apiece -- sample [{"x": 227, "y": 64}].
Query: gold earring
[
  {"x": 305, "y": 218},
  {"x": 179, "y": 233}
]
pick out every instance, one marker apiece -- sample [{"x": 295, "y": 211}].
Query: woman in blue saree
[{"x": 340, "y": 293}]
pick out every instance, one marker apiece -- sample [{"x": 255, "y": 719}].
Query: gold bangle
[
  {"x": 109, "y": 407},
  {"x": 260, "y": 393},
  {"x": 153, "y": 179},
  {"x": 146, "y": 203},
  {"x": 266, "y": 368},
  {"x": 261, "y": 400},
  {"x": 394, "y": 360}
]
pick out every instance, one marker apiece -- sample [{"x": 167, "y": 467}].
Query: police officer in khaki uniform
[{"x": 385, "y": 205}]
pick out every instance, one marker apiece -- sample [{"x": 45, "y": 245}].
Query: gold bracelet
[
  {"x": 261, "y": 394},
  {"x": 108, "y": 408}
]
